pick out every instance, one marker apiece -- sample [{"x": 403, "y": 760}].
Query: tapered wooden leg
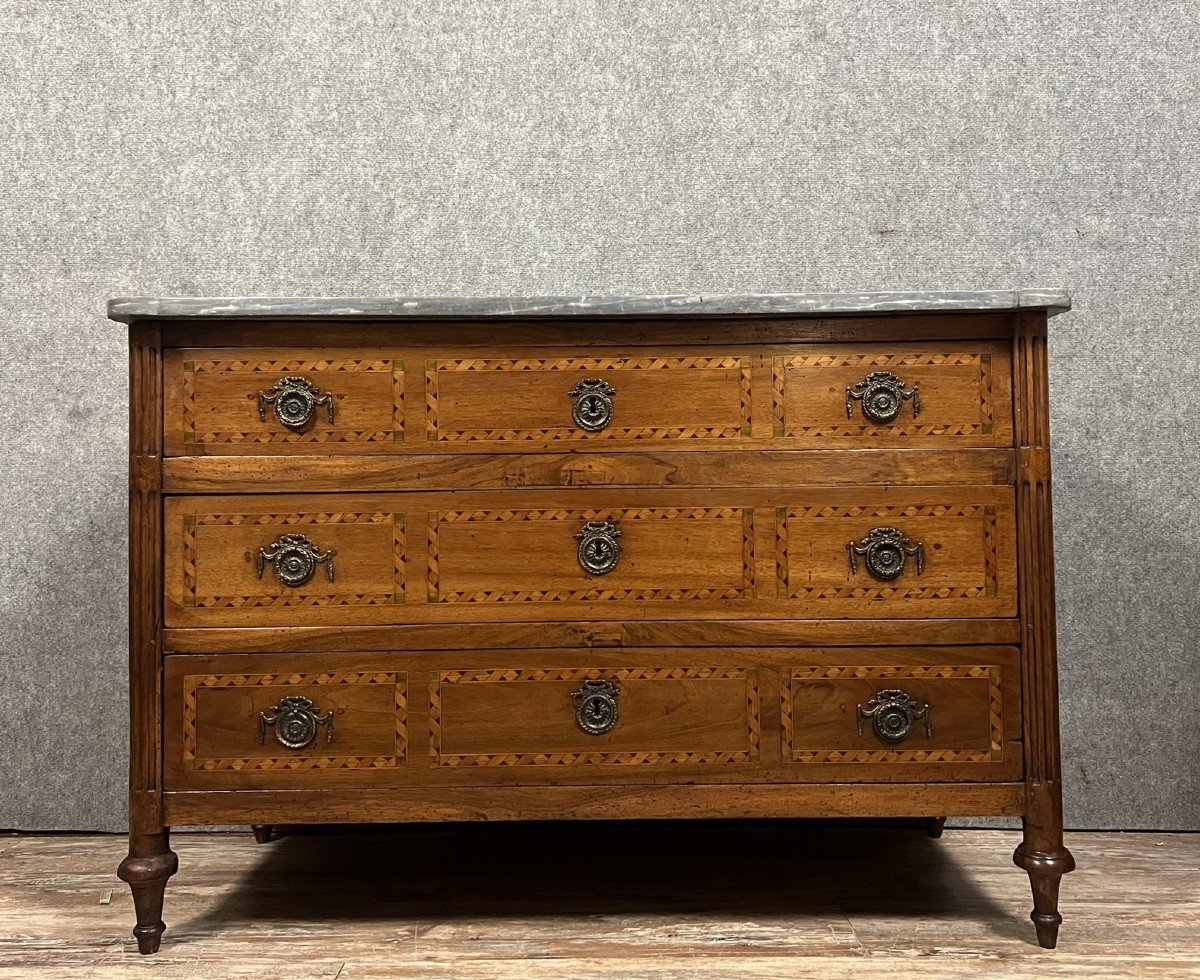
[
  {"x": 264, "y": 833},
  {"x": 934, "y": 826},
  {"x": 149, "y": 864},
  {"x": 1046, "y": 859}
]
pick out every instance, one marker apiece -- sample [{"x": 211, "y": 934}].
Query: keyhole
[{"x": 597, "y": 710}]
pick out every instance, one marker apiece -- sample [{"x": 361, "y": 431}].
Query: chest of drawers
[{"x": 454, "y": 559}]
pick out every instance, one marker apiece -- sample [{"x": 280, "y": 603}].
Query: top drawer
[{"x": 281, "y": 401}]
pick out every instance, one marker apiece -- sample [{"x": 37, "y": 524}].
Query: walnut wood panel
[
  {"x": 967, "y": 536},
  {"x": 680, "y": 468},
  {"x": 752, "y": 632},
  {"x": 973, "y": 710},
  {"x": 409, "y": 558},
  {"x": 507, "y": 717},
  {"x": 667, "y": 716},
  {"x": 213, "y": 568},
  {"x": 661, "y": 395},
  {"x": 612, "y": 801},
  {"x": 213, "y": 730},
  {"x": 212, "y": 400},
  {"x": 965, "y": 395}
]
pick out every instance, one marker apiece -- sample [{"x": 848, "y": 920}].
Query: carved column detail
[
  {"x": 1042, "y": 852},
  {"x": 150, "y": 862}
]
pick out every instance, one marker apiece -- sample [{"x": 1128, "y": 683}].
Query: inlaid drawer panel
[
  {"x": 870, "y": 714},
  {"x": 233, "y": 720},
  {"x": 285, "y": 560},
  {"x": 893, "y": 395},
  {"x": 320, "y": 559},
  {"x": 568, "y": 717},
  {"x": 284, "y": 400},
  {"x": 652, "y": 396},
  {"x": 288, "y": 401}
]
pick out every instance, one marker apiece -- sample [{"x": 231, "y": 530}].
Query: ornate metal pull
[
  {"x": 886, "y": 551},
  {"x": 599, "y": 550},
  {"x": 596, "y": 706},
  {"x": 881, "y": 394},
  {"x": 295, "y": 721},
  {"x": 892, "y": 714},
  {"x": 294, "y": 559},
  {"x": 593, "y": 408},
  {"x": 295, "y": 401}
]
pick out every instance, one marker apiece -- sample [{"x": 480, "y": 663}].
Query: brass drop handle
[
  {"x": 599, "y": 547},
  {"x": 295, "y": 721},
  {"x": 885, "y": 550},
  {"x": 295, "y": 401},
  {"x": 881, "y": 394},
  {"x": 592, "y": 409},
  {"x": 294, "y": 558},
  {"x": 596, "y": 706},
  {"x": 892, "y": 714}
]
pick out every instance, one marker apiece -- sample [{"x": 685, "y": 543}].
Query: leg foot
[
  {"x": 1045, "y": 869},
  {"x": 934, "y": 826},
  {"x": 149, "y": 864},
  {"x": 264, "y": 833}
]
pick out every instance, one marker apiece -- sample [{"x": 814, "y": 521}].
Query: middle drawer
[{"x": 332, "y": 559}]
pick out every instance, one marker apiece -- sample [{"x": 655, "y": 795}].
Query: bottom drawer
[{"x": 265, "y": 721}]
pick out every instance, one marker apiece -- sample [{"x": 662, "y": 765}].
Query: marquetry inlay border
[
  {"x": 596, "y": 592},
  {"x": 193, "y": 683},
  {"x": 273, "y": 370},
  {"x": 566, "y": 431},
  {"x": 912, "y": 589},
  {"x": 849, "y": 429},
  {"x": 574, "y": 675},
  {"x": 293, "y": 598},
  {"x": 886, "y": 674}
]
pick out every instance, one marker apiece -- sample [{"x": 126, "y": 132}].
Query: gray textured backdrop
[{"x": 562, "y": 146}]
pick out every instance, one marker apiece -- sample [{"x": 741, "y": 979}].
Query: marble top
[{"x": 129, "y": 308}]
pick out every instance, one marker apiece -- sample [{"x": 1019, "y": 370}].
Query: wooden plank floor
[{"x": 733, "y": 901}]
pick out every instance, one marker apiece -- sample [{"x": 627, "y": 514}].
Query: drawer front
[
  {"x": 321, "y": 559},
  {"x": 674, "y": 395},
  {"x": 538, "y": 717},
  {"x": 563, "y": 718},
  {"x": 238, "y": 720},
  {"x": 871, "y": 714},
  {"x": 893, "y": 395},
  {"x": 283, "y": 401}
]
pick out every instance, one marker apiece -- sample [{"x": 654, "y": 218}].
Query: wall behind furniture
[{"x": 679, "y": 146}]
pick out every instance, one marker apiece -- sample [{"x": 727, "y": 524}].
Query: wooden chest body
[{"x": 821, "y": 578}]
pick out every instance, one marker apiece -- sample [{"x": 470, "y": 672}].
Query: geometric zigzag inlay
[
  {"x": 192, "y": 683},
  {"x": 875, "y": 362},
  {"x": 578, "y": 675},
  {"x": 272, "y": 371},
  {"x": 567, "y": 431},
  {"x": 292, "y": 598},
  {"x": 889, "y": 513},
  {"x": 991, "y": 673}
]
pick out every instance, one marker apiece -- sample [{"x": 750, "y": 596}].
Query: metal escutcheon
[
  {"x": 599, "y": 549},
  {"x": 294, "y": 559},
  {"x": 593, "y": 407},
  {"x": 885, "y": 551},
  {"x": 596, "y": 706},
  {"x": 892, "y": 714},
  {"x": 295, "y": 402},
  {"x": 295, "y": 721},
  {"x": 882, "y": 394}
]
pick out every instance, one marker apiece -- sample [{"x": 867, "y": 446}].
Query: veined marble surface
[{"x": 131, "y": 308}]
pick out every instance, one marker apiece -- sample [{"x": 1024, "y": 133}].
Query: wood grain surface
[{"x": 730, "y": 900}]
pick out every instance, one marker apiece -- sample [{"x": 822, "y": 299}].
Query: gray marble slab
[{"x": 126, "y": 309}]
